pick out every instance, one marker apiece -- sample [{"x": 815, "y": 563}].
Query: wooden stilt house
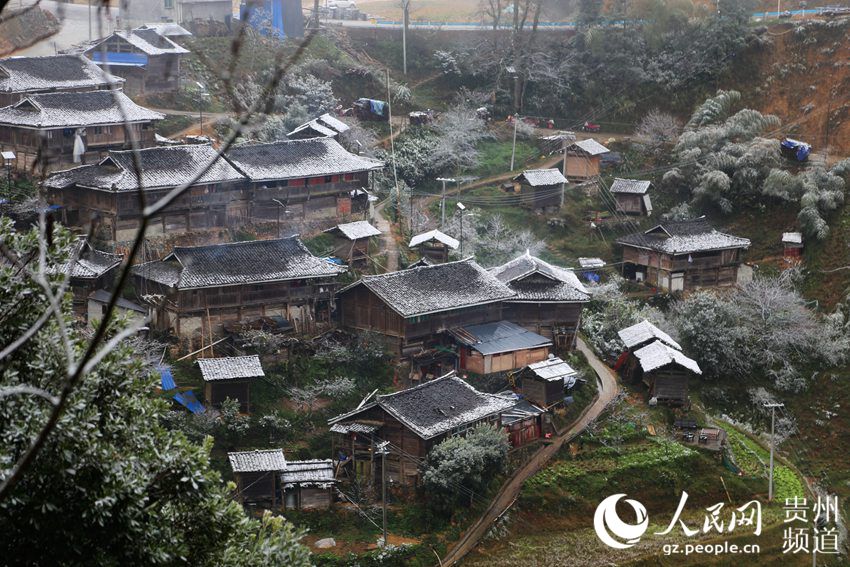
[
  {"x": 352, "y": 241},
  {"x": 258, "y": 475},
  {"x": 230, "y": 377}
]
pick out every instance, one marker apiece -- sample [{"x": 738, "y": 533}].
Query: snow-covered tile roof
[
  {"x": 560, "y": 284},
  {"x": 591, "y": 147},
  {"x": 431, "y": 289},
  {"x": 657, "y": 355},
  {"x": 314, "y": 472},
  {"x": 75, "y": 110},
  {"x": 438, "y": 406},
  {"x": 167, "y": 29},
  {"x": 87, "y": 262},
  {"x": 230, "y": 368},
  {"x": 251, "y": 262},
  {"x": 635, "y": 186},
  {"x": 683, "y": 237},
  {"x": 434, "y": 235},
  {"x": 356, "y": 230},
  {"x": 542, "y": 177},
  {"x": 54, "y": 72},
  {"x": 148, "y": 41},
  {"x": 644, "y": 332},
  {"x": 257, "y": 461},
  {"x": 166, "y": 166}
]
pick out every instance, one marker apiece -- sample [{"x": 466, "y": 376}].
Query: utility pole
[
  {"x": 405, "y": 17},
  {"x": 778, "y": 9},
  {"x": 443, "y": 200},
  {"x": 513, "y": 148},
  {"x": 564, "y": 168},
  {"x": 461, "y": 208},
  {"x": 392, "y": 149},
  {"x": 89, "y": 21},
  {"x": 382, "y": 449},
  {"x": 772, "y": 407}
]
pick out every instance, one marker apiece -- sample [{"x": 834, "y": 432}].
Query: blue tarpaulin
[
  {"x": 800, "y": 150},
  {"x": 377, "y": 106},
  {"x": 591, "y": 276},
  {"x": 189, "y": 401},
  {"x": 167, "y": 378},
  {"x": 113, "y": 58}
]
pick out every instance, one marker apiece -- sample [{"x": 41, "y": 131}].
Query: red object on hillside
[{"x": 590, "y": 127}]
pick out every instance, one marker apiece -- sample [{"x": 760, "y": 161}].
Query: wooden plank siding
[{"x": 700, "y": 269}]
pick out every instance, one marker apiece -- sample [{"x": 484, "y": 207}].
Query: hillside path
[
  {"x": 388, "y": 241},
  {"x": 608, "y": 390}
]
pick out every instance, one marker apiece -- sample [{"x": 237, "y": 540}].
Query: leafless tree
[{"x": 658, "y": 130}]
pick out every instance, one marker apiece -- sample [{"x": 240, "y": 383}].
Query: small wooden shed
[
  {"x": 352, "y": 241},
  {"x": 541, "y": 190},
  {"x": 257, "y": 475},
  {"x": 230, "y": 377},
  {"x": 792, "y": 244},
  {"x": 543, "y": 383},
  {"x": 498, "y": 347},
  {"x": 583, "y": 159},
  {"x": 308, "y": 485},
  {"x": 632, "y": 196},
  {"x": 434, "y": 245},
  {"x": 665, "y": 371}
]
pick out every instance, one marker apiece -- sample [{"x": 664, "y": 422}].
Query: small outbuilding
[
  {"x": 665, "y": 371},
  {"x": 308, "y": 485},
  {"x": 257, "y": 475},
  {"x": 434, "y": 245},
  {"x": 541, "y": 190},
  {"x": 544, "y": 383},
  {"x": 352, "y": 241},
  {"x": 792, "y": 244},
  {"x": 498, "y": 347},
  {"x": 583, "y": 159},
  {"x": 632, "y": 196},
  {"x": 325, "y": 126},
  {"x": 230, "y": 377},
  {"x": 99, "y": 300}
]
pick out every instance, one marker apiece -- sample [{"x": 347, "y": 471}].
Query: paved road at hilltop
[{"x": 608, "y": 390}]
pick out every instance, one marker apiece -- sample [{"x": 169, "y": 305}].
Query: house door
[{"x": 677, "y": 282}]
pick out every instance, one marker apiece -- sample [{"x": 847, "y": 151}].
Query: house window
[
  {"x": 169, "y": 4},
  {"x": 329, "y": 178}
]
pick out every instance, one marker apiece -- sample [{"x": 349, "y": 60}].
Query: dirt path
[
  {"x": 608, "y": 389},
  {"x": 388, "y": 241}
]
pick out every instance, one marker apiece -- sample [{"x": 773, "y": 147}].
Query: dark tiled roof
[
  {"x": 166, "y": 166},
  {"x": 236, "y": 263},
  {"x": 438, "y": 406},
  {"x": 557, "y": 284},
  {"x": 498, "y": 337},
  {"x": 313, "y": 472},
  {"x": 75, "y": 110},
  {"x": 635, "y": 186},
  {"x": 431, "y": 289},
  {"x": 90, "y": 263},
  {"x": 683, "y": 237},
  {"x": 294, "y": 159},
  {"x": 56, "y": 72}
]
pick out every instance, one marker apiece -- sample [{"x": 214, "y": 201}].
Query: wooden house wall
[
  {"x": 581, "y": 166},
  {"x": 523, "y": 432},
  {"x": 307, "y": 498},
  {"x": 542, "y": 392},
  {"x": 699, "y": 269},
  {"x": 257, "y": 486},
  {"x": 671, "y": 377},
  {"x": 359, "y": 308},
  {"x": 216, "y": 392},
  {"x": 540, "y": 198},
  {"x": 630, "y": 203},
  {"x": 545, "y": 318}
]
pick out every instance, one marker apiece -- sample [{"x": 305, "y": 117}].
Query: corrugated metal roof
[
  {"x": 657, "y": 355},
  {"x": 553, "y": 368},
  {"x": 257, "y": 461},
  {"x": 498, "y": 337},
  {"x": 230, "y": 368}
]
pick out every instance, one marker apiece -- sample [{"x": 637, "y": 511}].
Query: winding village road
[{"x": 608, "y": 390}]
